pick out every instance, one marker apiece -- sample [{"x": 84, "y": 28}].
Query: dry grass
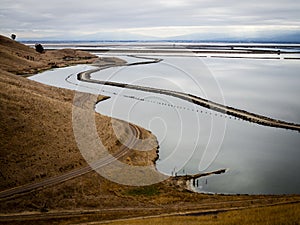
[
  {"x": 17, "y": 58},
  {"x": 281, "y": 215},
  {"x": 36, "y": 134},
  {"x": 36, "y": 131}
]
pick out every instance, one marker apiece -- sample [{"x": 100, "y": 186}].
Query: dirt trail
[{"x": 136, "y": 132}]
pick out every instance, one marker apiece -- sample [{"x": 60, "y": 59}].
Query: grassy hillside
[
  {"x": 36, "y": 134},
  {"x": 36, "y": 125},
  {"x": 21, "y": 59}
]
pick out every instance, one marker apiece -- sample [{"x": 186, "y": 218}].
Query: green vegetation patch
[{"x": 144, "y": 191}]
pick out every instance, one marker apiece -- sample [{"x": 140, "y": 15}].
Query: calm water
[{"x": 194, "y": 139}]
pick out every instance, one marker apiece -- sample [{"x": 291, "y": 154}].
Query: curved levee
[{"x": 242, "y": 114}]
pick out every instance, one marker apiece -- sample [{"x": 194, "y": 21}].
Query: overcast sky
[{"x": 158, "y": 18}]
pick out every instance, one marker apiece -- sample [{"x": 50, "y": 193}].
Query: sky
[{"x": 74, "y": 19}]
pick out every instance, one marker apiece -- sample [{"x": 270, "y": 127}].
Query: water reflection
[
  {"x": 194, "y": 139},
  {"x": 260, "y": 159}
]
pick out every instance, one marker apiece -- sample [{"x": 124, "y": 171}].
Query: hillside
[
  {"x": 17, "y": 58},
  {"x": 36, "y": 133}
]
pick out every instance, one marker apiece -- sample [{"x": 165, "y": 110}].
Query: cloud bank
[{"x": 155, "y": 18}]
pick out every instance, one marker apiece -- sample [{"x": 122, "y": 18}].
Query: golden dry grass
[
  {"x": 36, "y": 132},
  {"x": 17, "y": 58},
  {"x": 281, "y": 215}
]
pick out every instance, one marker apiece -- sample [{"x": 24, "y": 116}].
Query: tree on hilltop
[{"x": 13, "y": 36}]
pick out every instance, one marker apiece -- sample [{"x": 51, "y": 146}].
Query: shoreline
[{"x": 227, "y": 110}]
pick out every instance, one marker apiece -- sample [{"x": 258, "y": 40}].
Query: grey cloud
[{"x": 93, "y": 15}]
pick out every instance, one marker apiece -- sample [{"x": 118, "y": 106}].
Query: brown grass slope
[
  {"x": 36, "y": 135},
  {"x": 21, "y": 59},
  {"x": 35, "y": 130}
]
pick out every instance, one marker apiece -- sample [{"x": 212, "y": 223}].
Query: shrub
[{"x": 39, "y": 48}]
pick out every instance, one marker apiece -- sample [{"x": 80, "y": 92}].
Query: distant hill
[
  {"x": 98, "y": 36},
  {"x": 115, "y": 36},
  {"x": 292, "y": 37},
  {"x": 264, "y": 37}
]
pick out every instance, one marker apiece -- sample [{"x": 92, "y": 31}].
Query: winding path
[
  {"x": 136, "y": 134},
  {"x": 242, "y": 114}
]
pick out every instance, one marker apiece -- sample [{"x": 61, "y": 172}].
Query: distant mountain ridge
[
  {"x": 289, "y": 37},
  {"x": 262, "y": 37}
]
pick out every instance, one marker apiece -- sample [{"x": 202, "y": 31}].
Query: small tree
[
  {"x": 39, "y": 48},
  {"x": 13, "y": 36}
]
